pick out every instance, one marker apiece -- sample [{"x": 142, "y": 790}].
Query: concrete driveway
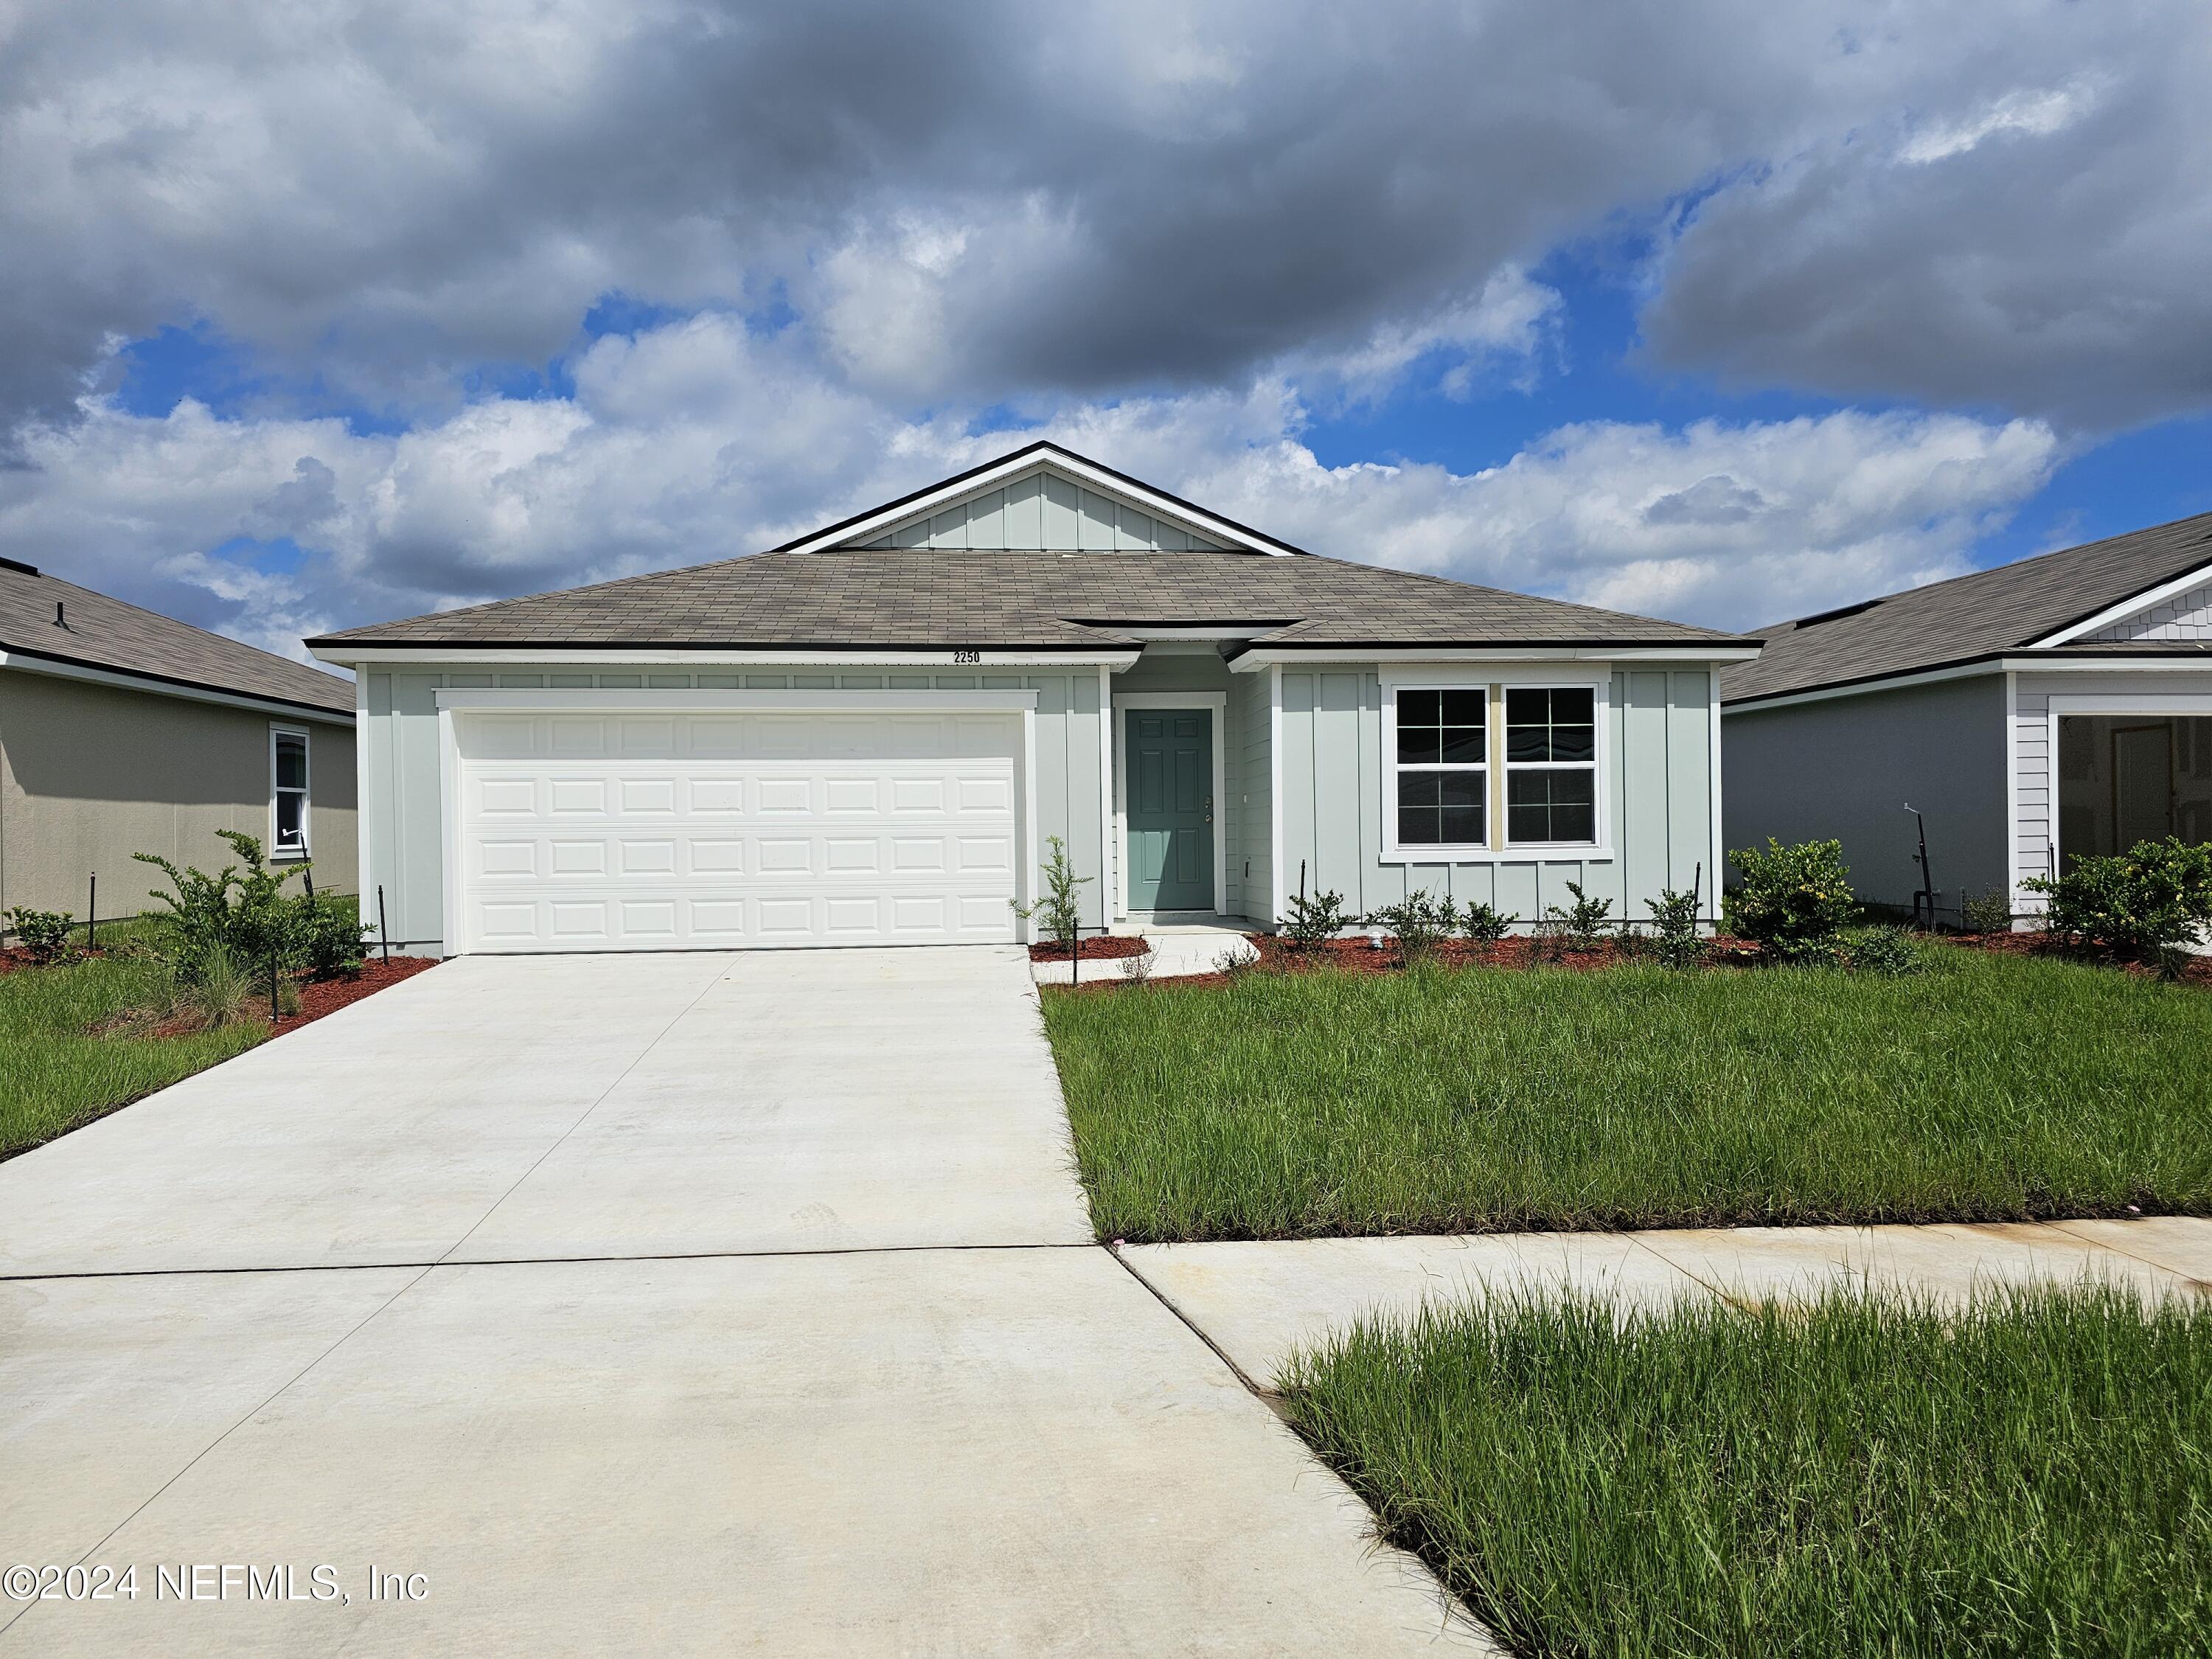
[{"x": 668, "y": 1303}]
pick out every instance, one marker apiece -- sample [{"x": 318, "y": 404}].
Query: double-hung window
[
  {"x": 288, "y": 783},
  {"x": 1551, "y": 765},
  {"x": 1443, "y": 767}
]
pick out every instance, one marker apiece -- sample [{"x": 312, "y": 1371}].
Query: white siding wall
[
  {"x": 401, "y": 819},
  {"x": 1044, "y": 510},
  {"x": 2035, "y": 781}
]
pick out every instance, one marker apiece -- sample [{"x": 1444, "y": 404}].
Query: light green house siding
[
  {"x": 1325, "y": 747},
  {"x": 1659, "y": 750},
  {"x": 403, "y": 817}
]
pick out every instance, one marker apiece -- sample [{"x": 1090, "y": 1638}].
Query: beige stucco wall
[{"x": 90, "y": 774}]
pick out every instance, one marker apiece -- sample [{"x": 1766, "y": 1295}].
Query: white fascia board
[
  {"x": 24, "y": 662},
  {"x": 537, "y": 700},
  {"x": 518, "y": 656},
  {"x": 1021, "y": 466},
  {"x": 1260, "y": 657},
  {"x": 2125, "y": 608},
  {"x": 2041, "y": 663}
]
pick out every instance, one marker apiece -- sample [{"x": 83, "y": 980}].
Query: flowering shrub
[
  {"x": 2141, "y": 905},
  {"x": 1794, "y": 901}
]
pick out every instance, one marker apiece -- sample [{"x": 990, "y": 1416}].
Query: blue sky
[{"x": 1728, "y": 315}]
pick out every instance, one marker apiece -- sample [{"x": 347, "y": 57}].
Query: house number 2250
[{"x": 968, "y": 656}]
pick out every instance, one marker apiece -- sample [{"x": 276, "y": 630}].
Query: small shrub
[
  {"x": 1986, "y": 912},
  {"x": 1418, "y": 923},
  {"x": 330, "y": 936},
  {"x": 1793, "y": 901},
  {"x": 2141, "y": 905},
  {"x": 1138, "y": 970},
  {"x": 248, "y": 915},
  {"x": 1884, "y": 952},
  {"x": 45, "y": 934},
  {"x": 1313, "y": 921},
  {"x": 1582, "y": 923},
  {"x": 1485, "y": 924},
  {"x": 1059, "y": 911},
  {"x": 1233, "y": 964},
  {"x": 1675, "y": 940}
]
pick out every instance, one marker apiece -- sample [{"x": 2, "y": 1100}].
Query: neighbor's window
[
  {"x": 1551, "y": 764},
  {"x": 1443, "y": 766},
  {"x": 289, "y": 767}
]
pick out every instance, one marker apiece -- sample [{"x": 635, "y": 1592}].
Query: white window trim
[
  {"x": 1453, "y": 677},
  {"x": 306, "y": 849},
  {"x": 2151, "y": 705},
  {"x": 1218, "y": 702}
]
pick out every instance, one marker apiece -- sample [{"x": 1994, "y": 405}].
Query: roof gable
[
  {"x": 2073, "y": 599},
  {"x": 1044, "y": 510},
  {"x": 2180, "y": 609},
  {"x": 1041, "y": 498}
]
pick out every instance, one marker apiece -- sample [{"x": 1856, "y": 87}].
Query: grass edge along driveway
[
  {"x": 1863, "y": 1477},
  {"x": 1463, "y": 1100}
]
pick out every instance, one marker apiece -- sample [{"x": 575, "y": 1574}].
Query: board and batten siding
[
  {"x": 1165, "y": 673},
  {"x": 403, "y": 818},
  {"x": 2035, "y": 781},
  {"x": 1044, "y": 511},
  {"x": 1660, "y": 794},
  {"x": 1251, "y": 708}
]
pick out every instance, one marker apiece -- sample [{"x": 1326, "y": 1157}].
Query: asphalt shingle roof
[
  {"x": 1981, "y": 615},
  {"x": 924, "y": 598},
  {"x": 106, "y": 633}
]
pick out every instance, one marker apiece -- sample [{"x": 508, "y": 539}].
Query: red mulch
[
  {"x": 16, "y": 955},
  {"x": 1357, "y": 956},
  {"x": 327, "y": 996},
  {"x": 318, "y": 997},
  {"x": 1104, "y": 948}
]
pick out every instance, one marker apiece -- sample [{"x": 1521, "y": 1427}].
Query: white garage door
[{"x": 646, "y": 831}]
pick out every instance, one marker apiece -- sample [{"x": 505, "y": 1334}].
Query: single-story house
[
  {"x": 868, "y": 735},
  {"x": 2035, "y": 714},
  {"x": 123, "y": 730}
]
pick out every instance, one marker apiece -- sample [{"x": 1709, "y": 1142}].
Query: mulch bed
[
  {"x": 327, "y": 996},
  {"x": 318, "y": 997},
  {"x": 1105, "y": 948},
  {"x": 14, "y": 957},
  {"x": 1357, "y": 956},
  {"x": 2197, "y": 971}
]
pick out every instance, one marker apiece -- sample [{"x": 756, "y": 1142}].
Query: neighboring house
[
  {"x": 2035, "y": 714},
  {"x": 868, "y": 735},
  {"x": 123, "y": 731}
]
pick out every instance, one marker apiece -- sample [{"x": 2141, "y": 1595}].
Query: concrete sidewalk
[{"x": 1257, "y": 1303}]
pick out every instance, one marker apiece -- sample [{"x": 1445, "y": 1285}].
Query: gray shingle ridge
[
  {"x": 106, "y": 633},
  {"x": 1966, "y": 618}
]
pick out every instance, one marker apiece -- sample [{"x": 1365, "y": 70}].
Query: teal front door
[{"x": 1169, "y": 772}]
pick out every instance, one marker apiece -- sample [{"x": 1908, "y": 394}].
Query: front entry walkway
[{"x": 653, "y": 1302}]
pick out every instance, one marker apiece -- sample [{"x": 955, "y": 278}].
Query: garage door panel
[{"x": 729, "y": 830}]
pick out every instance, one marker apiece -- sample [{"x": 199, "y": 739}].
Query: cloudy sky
[{"x": 317, "y": 314}]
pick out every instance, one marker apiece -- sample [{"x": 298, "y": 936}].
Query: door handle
[{"x": 1209, "y": 809}]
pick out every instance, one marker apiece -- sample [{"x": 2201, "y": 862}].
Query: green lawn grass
[
  {"x": 1860, "y": 1478},
  {"x": 54, "y": 1076},
  {"x": 1296, "y": 1105}
]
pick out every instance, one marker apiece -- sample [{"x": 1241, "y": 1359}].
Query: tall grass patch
[
  {"x": 1864, "y": 1477},
  {"x": 55, "y": 1074},
  {"x": 1448, "y": 1100}
]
